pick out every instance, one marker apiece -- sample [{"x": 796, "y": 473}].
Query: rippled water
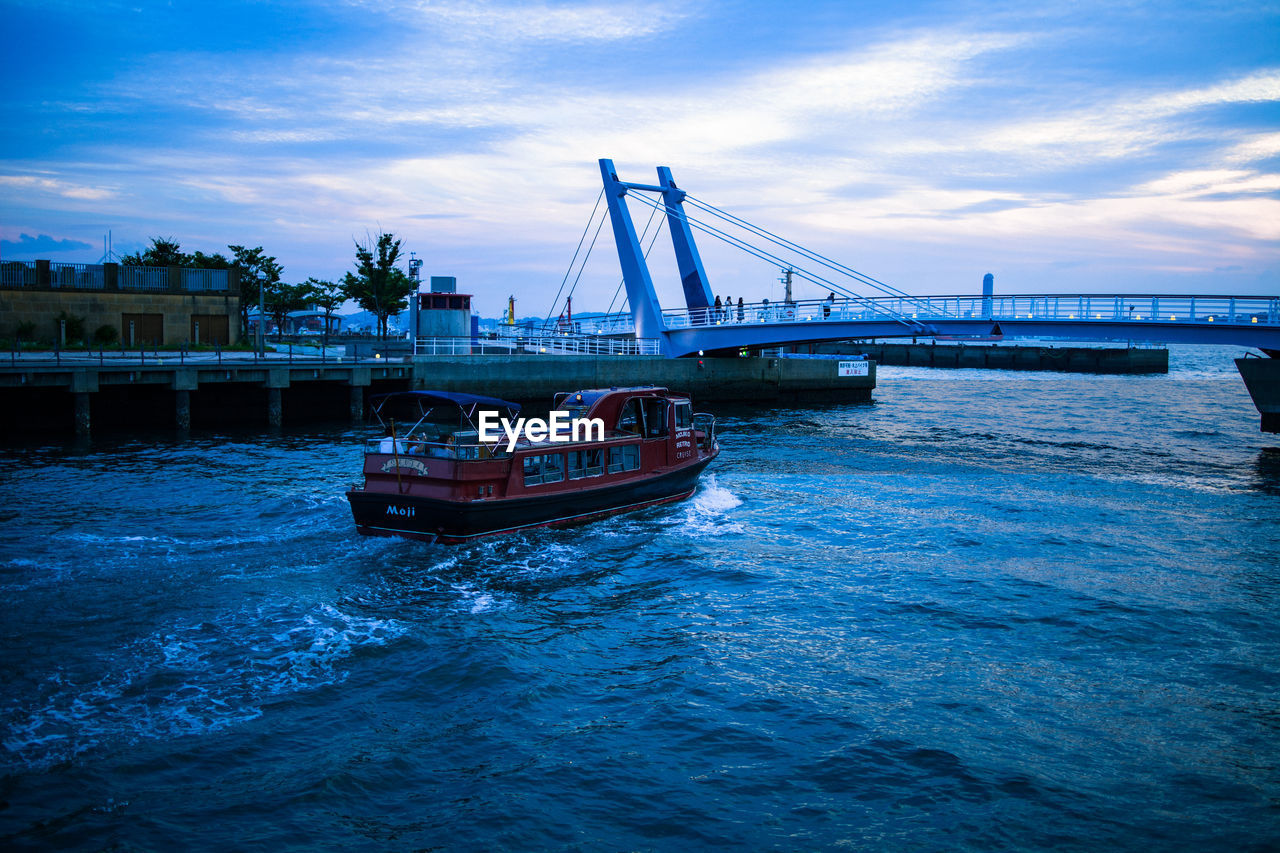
[{"x": 989, "y": 611}]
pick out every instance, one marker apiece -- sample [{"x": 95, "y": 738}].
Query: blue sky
[{"x": 1083, "y": 146}]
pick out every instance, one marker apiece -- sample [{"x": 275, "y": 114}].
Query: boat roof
[{"x": 465, "y": 401}]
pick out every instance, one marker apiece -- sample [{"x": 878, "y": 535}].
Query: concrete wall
[
  {"x": 1012, "y": 357},
  {"x": 444, "y": 323},
  {"x": 534, "y": 379},
  {"x": 105, "y": 308}
]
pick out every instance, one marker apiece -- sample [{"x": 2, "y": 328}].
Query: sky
[{"x": 1064, "y": 147}]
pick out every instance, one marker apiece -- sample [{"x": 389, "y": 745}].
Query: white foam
[{"x": 192, "y": 679}]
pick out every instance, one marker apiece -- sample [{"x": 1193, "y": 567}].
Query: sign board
[{"x": 853, "y": 368}]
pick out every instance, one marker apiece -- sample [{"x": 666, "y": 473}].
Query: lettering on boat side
[
  {"x": 412, "y": 464},
  {"x": 401, "y": 511},
  {"x": 558, "y": 428}
]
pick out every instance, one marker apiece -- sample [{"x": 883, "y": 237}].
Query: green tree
[
  {"x": 280, "y": 298},
  {"x": 377, "y": 284},
  {"x": 200, "y": 261},
  {"x": 254, "y": 267},
  {"x": 327, "y": 296},
  {"x": 163, "y": 252},
  {"x": 166, "y": 252}
]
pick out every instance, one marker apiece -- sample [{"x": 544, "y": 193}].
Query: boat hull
[{"x": 454, "y": 522}]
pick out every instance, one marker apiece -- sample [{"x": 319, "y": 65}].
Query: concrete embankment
[
  {"x": 1011, "y": 357},
  {"x": 756, "y": 380},
  {"x": 41, "y": 397}
]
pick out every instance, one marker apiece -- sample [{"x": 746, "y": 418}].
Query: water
[{"x": 990, "y": 611}]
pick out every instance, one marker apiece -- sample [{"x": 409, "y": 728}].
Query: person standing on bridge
[
  {"x": 826, "y": 305},
  {"x": 742, "y": 313},
  {"x": 715, "y": 318},
  {"x": 728, "y": 305}
]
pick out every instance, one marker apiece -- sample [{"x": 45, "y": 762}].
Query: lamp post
[
  {"x": 262, "y": 350},
  {"x": 415, "y": 275}
]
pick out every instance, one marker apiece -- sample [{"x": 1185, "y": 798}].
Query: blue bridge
[
  {"x": 847, "y": 314},
  {"x": 850, "y": 313}
]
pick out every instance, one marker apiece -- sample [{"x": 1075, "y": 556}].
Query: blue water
[{"x": 990, "y": 611}]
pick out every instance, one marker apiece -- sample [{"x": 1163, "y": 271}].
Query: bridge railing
[{"x": 1147, "y": 308}]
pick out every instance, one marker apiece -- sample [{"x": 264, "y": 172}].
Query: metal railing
[
  {"x": 22, "y": 274},
  {"x": 144, "y": 278},
  {"x": 540, "y": 345},
  {"x": 1109, "y": 307},
  {"x": 193, "y": 279},
  {"x": 79, "y": 276},
  {"x": 14, "y": 274}
]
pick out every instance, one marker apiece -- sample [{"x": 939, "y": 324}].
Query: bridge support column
[
  {"x": 361, "y": 378},
  {"x": 1262, "y": 377},
  {"x": 182, "y": 410},
  {"x": 357, "y": 404},
  {"x": 82, "y": 413},
  {"x": 275, "y": 407}
]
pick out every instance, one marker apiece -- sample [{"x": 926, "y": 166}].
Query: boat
[{"x": 441, "y": 473}]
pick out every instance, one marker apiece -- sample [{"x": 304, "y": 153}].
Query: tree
[
  {"x": 200, "y": 261},
  {"x": 377, "y": 285},
  {"x": 328, "y": 296},
  {"x": 163, "y": 252},
  {"x": 253, "y": 266},
  {"x": 280, "y": 298},
  {"x": 166, "y": 252}
]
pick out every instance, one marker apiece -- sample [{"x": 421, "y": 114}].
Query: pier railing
[{"x": 534, "y": 344}]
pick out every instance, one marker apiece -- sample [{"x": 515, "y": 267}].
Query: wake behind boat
[{"x": 442, "y": 474}]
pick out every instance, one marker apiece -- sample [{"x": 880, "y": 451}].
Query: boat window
[
  {"x": 684, "y": 414},
  {"x": 586, "y": 463},
  {"x": 543, "y": 468},
  {"x": 625, "y": 458},
  {"x": 655, "y": 417},
  {"x": 553, "y": 468},
  {"x": 630, "y": 419}
]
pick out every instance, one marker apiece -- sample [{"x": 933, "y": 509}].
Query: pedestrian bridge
[
  {"x": 1247, "y": 321},
  {"x": 850, "y": 313}
]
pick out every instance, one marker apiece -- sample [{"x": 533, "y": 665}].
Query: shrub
[
  {"x": 105, "y": 335},
  {"x": 75, "y": 327}
]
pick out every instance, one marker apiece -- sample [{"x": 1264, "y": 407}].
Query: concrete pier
[
  {"x": 1108, "y": 360},
  {"x": 33, "y": 397}
]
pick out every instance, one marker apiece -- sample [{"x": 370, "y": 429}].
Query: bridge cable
[
  {"x": 556, "y": 301},
  {"x": 767, "y": 256},
  {"x": 830, "y": 263}
]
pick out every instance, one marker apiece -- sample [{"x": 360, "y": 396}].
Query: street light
[{"x": 262, "y": 350}]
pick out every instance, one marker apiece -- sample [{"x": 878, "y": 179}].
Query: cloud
[
  {"x": 541, "y": 21},
  {"x": 41, "y": 245},
  {"x": 55, "y": 186}
]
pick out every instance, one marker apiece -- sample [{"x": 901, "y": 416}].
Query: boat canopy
[
  {"x": 469, "y": 402},
  {"x": 437, "y": 409}
]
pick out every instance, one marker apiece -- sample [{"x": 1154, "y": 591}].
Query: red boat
[{"x": 432, "y": 477}]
